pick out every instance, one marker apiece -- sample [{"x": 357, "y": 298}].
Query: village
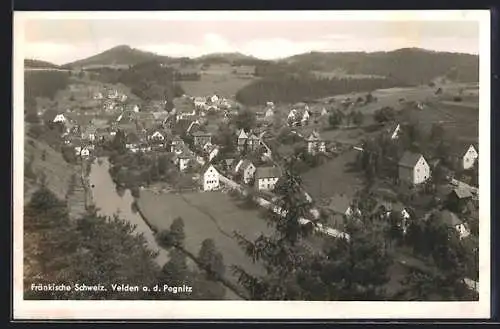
[{"x": 213, "y": 145}]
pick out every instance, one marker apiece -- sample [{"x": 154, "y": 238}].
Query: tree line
[
  {"x": 355, "y": 268},
  {"x": 95, "y": 249},
  {"x": 295, "y": 88},
  {"x": 147, "y": 80}
]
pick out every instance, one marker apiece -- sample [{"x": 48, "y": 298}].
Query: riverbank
[{"x": 105, "y": 197}]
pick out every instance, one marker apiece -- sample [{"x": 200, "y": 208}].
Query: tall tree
[
  {"x": 281, "y": 252},
  {"x": 177, "y": 231},
  {"x": 211, "y": 259},
  {"x": 245, "y": 119}
]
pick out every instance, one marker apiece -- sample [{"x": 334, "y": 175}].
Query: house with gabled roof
[
  {"x": 132, "y": 142},
  {"x": 201, "y": 138},
  {"x": 246, "y": 169},
  {"x": 175, "y": 142},
  {"x": 89, "y": 133},
  {"x": 242, "y": 140},
  {"x": 413, "y": 168},
  {"x": 183, "y": 158},
  {"x": 266, "y": 178},
  {"x": 60, "y": 118},
  {"x": 465, "y": 155},
  {"x": 253, "y": 142},
  {"x": 211, "y": 151},
  {"x": 454, "y": 222},
  {"x": 315, "y": 144},
  {"x": 209, "y": 178}
]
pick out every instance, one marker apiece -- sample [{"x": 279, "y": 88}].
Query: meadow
[
  {"x": 219, "y": 79},
  {"x": 207, "y": 215}
]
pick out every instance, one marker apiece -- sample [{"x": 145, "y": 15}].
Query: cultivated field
[
  {"x": 333, "y": 177},
  {"x": 340, "y": 74},
  {"x": 206, "y": 215},
  {"x": 217, "y": 79}
]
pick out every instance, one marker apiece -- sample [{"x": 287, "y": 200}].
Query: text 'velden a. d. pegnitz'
[{"x": 163, "y": 288}]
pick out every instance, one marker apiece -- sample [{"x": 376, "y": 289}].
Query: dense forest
[
  {"x": 44, "y": 83},
  {"x": 411, "y": 65},
  {"x": 94, "y": 249},
  {"x": 290, "y": 88},
  {"x": 148, "y": 80}
]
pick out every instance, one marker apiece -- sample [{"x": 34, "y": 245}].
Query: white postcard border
[{"x": 255, "y": 309}]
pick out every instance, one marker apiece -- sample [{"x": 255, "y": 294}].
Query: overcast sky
[{"x": 62, "y": 41}]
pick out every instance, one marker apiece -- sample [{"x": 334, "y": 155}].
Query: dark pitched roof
[
  {"x": 245, "y": 165},
  {"x": 132, "y": 138},
  {"x": 201, "y": 133},
  {"x": 409, "y": 159},
  {"x": 267, "y": 172},
  {"x": 462, "y": 193},
  {"x": 450, "y": 218},
  {"x": 459, "y": 148}
]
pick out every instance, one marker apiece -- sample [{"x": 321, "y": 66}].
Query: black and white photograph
[{"x": 251, "y": 164}]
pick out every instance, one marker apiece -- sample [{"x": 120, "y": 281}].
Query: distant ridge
[
  {"x": 118, "y": 56},
  {"x": 36, "y": 63}
]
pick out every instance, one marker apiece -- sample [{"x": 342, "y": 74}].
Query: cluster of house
[
  {"x": 111, "y": 94},
  {"x": 415, "y": 170},
  {"x": 301, "y": 114}
]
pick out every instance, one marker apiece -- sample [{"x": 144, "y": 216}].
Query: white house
[
  {"x": 214, "y": 99},
  {"x": 212, "y": 151},
  {"x": 305, "y": 117},
  {"x": 82, "y": 151},
  {"x": 315, "y": 144},
  {"x": 176, "y": 141},
  {"x": 324, "y": 112},
  {"x": 253, "y": 142},
  {"x": 468, "y": 158},
  {"x": 242, "y": 139},
  {"x": 292, "y": 115},
  {"x": 247, "y": 170},
  {"x": 413, "y": 168},
  {"x": 60, "y": 118},
  {"x": 123, "y": 98},
  {"x": 266, "y": 178},
  {"x": 452, "y": 221},
  {"x": 157, "y": 136},
  {"x": 210, "y": 178},
  {"x": 136, "y": 108},
  {"x": 269, "y": 113},
  {"x": 199, "y": 102},
  {"x": 182, "y": 160},
  {"x": 269, "y": 104}
]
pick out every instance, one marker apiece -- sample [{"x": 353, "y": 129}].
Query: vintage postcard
[{"x": 260, "y": 165}]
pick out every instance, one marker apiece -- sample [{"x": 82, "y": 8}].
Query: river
[{"x": 109, "y": 202}]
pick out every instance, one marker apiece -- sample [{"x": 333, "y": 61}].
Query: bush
[{"x": 165, "y": 239}]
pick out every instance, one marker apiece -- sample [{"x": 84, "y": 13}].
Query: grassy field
[
  {"x": 56, "y": 170},
  {"x": 218, "y": 79},
  {"x": 333, "y": 177},
  {"x": 206, "y": 215},
  {"x": 340, "y": 74}
]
